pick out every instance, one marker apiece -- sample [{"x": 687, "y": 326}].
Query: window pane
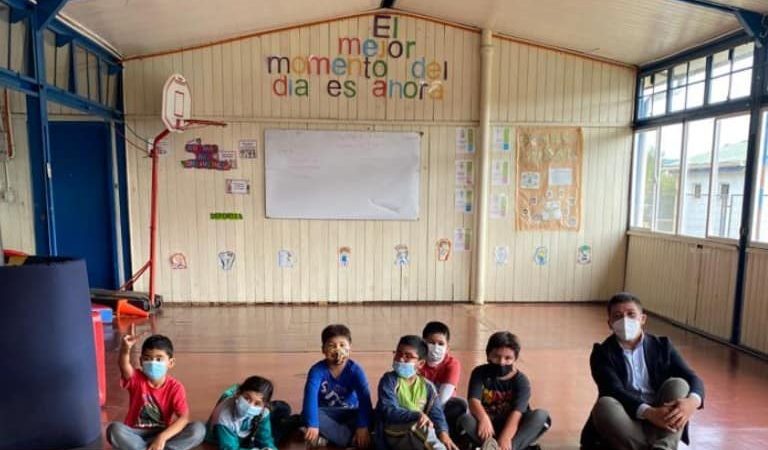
[
  {"x": 669, "y": 177},
  {"x": 721, "y": 65},
  {"x": 679, "y": 75},
  {"x": 647, "y": 86},
  {"x": 695, "y": 95},
  {"x": 728, "y": 184},
  {"x": 659, "y": 104},
  {"x": 742, "y": 56},
  {"x": 644, "y": 179},
  {"x": 644, "y": 108},
  {"x": 678, "y": 99},
  {"x": 698, "y": 147},
  {"x": 696, "y": 70},
  {"x": 741, "y": 82},
  {"x": 718, "y": 90},
  {"x": 760, "y": 227},
  {"x": 660, "y": 81}
]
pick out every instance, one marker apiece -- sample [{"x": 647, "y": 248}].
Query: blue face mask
[
  {"x": 243, "y": 408},
  {"x": 154, "y": 370},
  {"x": 404, "y": 369}
]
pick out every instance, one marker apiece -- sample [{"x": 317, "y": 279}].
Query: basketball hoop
[{"x": 177, "y": 106}]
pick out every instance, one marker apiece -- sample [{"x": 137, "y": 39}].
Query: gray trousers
[
  {"x": 532, "y": 425},
  {"x": 628, "y": 433},
  {"x": 123, "y": 437}
]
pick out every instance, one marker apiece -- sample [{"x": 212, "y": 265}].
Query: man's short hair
[
  {"x": 335, "y": 330},
  {"x": 158, "y": 342},
  {"x": 623, "y": 297},
  {"x": 416, "y": 342},
  {"x": 436, "y": 327}
]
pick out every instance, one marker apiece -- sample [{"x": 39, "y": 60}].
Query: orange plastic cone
[{"x": 126, "y": 309}]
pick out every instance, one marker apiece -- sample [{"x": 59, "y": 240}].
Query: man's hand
[
  {"x": 445, "y": 438},
  {"x": 157, "y": 444},
  {"x": 680, "y": 411},
  {"x": 657, "y": 416},
  {"x": 362, "y": 438},
  {"x": 424, "y": 421},
  {"x": 311, "y": 435},
  {"x": 485, "y": 428}
]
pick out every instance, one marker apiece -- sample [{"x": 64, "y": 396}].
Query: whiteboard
[{"x": 342, "y": 174}]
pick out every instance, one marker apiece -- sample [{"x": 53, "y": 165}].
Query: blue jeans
[
  {"x": 123, "y": 437},
  {"x": 338, "y": 425}
]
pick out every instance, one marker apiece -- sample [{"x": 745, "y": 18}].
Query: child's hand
[
  {"x": 424, "y": 421},
  {"x": 445, "y": 438},
  {"x": 157, "y": 444},
  {"x": 312, "y": 434},
  {"x": 505, "y": 441},
  {"x": 362, "y": 438},
  {"x": 130, "y": 339},
  {"x": 485, "y": 429}
]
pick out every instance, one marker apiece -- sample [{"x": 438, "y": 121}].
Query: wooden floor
[{"x": 218, "y": 346}]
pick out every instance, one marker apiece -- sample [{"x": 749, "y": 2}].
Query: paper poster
[
  {"x": 465, "y": 172},
  {"x": 401, "y": 255},
  {"x": 465, "y": 140},
  {"x": 164, "y": 147},
  {"x": 248, "y": 148},
  {"x": 443, "y": 249},
  {"x": 502, "y": 139},
  {"x": 501, "y": 254},
  {"x": 548, "y": 178},
  {"x": 541, "y": 256},
  {"x": 226, "y": 260},
  {"x": 178, "y": 261},
  {"x": 464, "y": 200},
  {"x": 462, "y": 239},
  {"x": 229, "y": 155},
  {"x": 285, "y": 259},
  {"x": 500, "y": 172},
  {"x": 345, "y": 256},
  {"x": 499, "y": 206},
  {"x": 241, "y": 187},
  {"x": 584, "y": 254},
  {"x": 206, "y": 156}
]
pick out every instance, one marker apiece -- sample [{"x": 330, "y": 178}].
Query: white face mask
[
  {"x": 627, "y": 329},
  {"x": 436, "y": 354}
]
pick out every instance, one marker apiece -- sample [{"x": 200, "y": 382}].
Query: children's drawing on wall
[
  {"x": 500, "y": 172},
  {"x": 178, "y": 261},
  {"x": 226, "y": 260},
  {"x": 235, "y": 186},
  {"x": 206, "y": 156},
  {"x": 345, "y": 256},
  {"x": 501, "y": 254},
  {"x": 462, "y": 239},
  {"x": 584, "y": 254},
  {"x": 401, "y": 255},
  {"x": 501, "y": 139},
  {"x": 465, "y": 173},
  {"x": 443, "y": 249},
  {"x": 285, "y": 259},
  {"x": 541, "y": 256},
  {"x": 248, "y": 148},
  {"x": 548, "y": 165},
  {"x": 465, "y": 141},
  {"x": 499, "y": 206},
  {"x": 464, "y": 200}
]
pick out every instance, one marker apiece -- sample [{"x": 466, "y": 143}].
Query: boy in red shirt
[
  {"x": 155, "y": 398},
  {"x": 444, "y": 371}
]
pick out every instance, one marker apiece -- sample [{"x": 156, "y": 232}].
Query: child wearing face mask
[
  {"x": 337, "y": 400},
  {"x": 158, "y": 415},
  {"x": 500, "y": 417},
  {"x": 444, "y": 371},
  {"x": 244, "y": 417},
  {"x": 409, "y": 411}
]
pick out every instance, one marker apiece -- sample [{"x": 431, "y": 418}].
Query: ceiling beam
[
  {"x": 46, "y": 10},
  {"x": 754, "y": 23}
]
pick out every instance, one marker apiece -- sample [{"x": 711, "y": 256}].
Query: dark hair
[
  {"x": 436, "y": 327},
  {"x": 416, "y": 342},
  {"x": 336, "y": 330},
  {"x": 503, "y": 339},
  {"x": 158, "y": 342},
  {"x": 623, "y": 297},
  {"x": 258, "y": 384}
]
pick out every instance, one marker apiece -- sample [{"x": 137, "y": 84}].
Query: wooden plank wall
[
  {"x": 754, "y": 333},
  {"x": 16, "y": 217},
  {"x": 689, "y": 282},
  {"x": 229, "y": 82}
]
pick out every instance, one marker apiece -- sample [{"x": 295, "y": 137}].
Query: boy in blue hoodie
[
  {"x": 337, "y": 400},
  {"x": 409, "y": 413}
]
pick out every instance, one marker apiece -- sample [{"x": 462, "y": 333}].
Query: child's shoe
[{"x": 490, "y": 444}]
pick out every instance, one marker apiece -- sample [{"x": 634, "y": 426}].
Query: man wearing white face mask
[{"x": 647, "y": 393}]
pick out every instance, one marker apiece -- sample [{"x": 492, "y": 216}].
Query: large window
[
  {"x": 760, "y": 225},
  {"x": 694, "y": 171}
]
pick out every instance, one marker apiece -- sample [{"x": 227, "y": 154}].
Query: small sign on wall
[
  {"x": 248, "y": 148},
  {"x": 235, "y": 186}
]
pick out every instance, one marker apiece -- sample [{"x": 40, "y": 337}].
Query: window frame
[{"x": 762, "y": 148}]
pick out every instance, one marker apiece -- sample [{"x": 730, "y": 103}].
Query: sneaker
[
  {"x": 319, "y": 442},
  {"x": 490, "y": 444}
]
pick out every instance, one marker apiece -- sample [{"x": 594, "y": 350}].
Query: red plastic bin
[{"x": 98, "y": 340}]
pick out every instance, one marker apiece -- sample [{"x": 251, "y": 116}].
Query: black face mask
[{"x": 498, "y": 370}]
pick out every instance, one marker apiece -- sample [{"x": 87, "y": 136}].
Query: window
[
  {"x": 688, "y": 85},
  {"x": 760, "y": 225},
  {"x": 653, "y": 99},
  {"x": 731, "y": 74},
  {"x": 689, "y": 177}
]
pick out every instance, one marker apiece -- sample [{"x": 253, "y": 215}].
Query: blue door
[{"x": 82, "y": 196}]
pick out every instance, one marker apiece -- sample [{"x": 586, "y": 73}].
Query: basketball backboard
[{"x": 177, "y": 103}]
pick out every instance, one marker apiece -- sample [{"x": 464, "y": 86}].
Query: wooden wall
[{"x": 754, "y": 333}]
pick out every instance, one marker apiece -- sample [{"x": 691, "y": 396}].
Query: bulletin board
[
  {"x": 315, "y": 174},
  {"x": 549, "y": 164}
]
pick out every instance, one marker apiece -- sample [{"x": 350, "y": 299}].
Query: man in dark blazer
[{"x": 647, "y": 393}]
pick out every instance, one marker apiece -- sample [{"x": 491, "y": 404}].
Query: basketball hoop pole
[{"x": 152, "y": 263}]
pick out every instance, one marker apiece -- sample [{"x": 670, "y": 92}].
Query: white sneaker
[
  {"x": 319, "y": 442},
  {"x": 490, "y": 444}
]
